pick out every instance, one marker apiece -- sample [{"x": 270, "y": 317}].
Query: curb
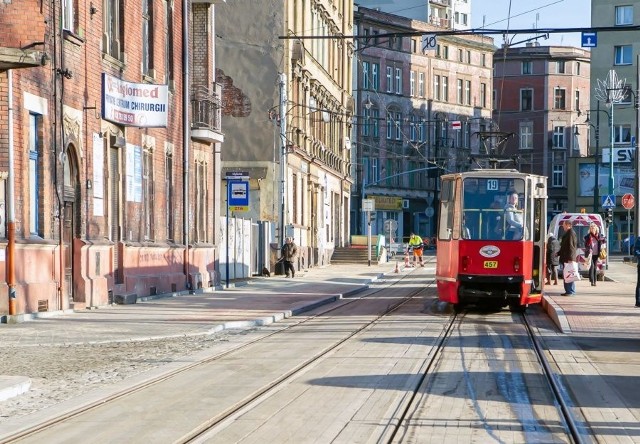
[{"x": 556, "y": 314}]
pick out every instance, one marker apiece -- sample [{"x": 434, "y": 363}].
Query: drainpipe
[
  {"x": 11, "y": 217},
  {"x": 185, "y": 136}
]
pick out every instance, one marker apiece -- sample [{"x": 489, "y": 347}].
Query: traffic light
[{"x": 609, "y": 216}]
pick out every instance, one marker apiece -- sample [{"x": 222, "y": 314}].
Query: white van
[{"x": 581, "y": 222}]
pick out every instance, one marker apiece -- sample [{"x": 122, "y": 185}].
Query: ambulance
[{"x": 581, "y": 222}]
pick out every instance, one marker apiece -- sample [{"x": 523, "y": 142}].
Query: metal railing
[{"x": 206, "y": 107}]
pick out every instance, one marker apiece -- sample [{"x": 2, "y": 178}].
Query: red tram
[{"x": 491, "y": 238}]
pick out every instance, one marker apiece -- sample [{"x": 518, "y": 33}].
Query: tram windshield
[{"x": 494, "y": 209}]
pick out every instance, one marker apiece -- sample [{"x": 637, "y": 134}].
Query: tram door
[{"x": 539, "y": 232}]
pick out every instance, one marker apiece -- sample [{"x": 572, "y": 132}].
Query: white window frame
[
  {"x": 398, "y": 80},
  {"x": 412, "y": 84},
  {"x": 375, "y": 77},
  {"x": 398, "y": 126},
  {"x": 522, "y": 108},
  {"x": 467, "y": 92},
  {"x": 622, "y": 54},
  {"x": 624, "y": 15},
  {"x": 365, "y": 75},
  {"x": 559, "y": 137},
  {"x": 557, "y": 175},
  {"x": 68, "y": 15},
  {"x": 527, "y": 67},
  {"x": 389, "y": 79},
  {"x": 526, "y": 135},
  {"x": 421, "y": 84}
]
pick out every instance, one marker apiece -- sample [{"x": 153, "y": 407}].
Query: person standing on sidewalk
[
  {"x": 415, "y": 243},
  {"x": 568, "y": 247},
  {"x": 553, "y": 247},
  {"x": 593, "y": 244},
  {"x": 289, "y": 252},
  {"x": 636, "y": 252}
]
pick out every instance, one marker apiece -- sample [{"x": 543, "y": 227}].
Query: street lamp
[{"x": 596, "y": 127}]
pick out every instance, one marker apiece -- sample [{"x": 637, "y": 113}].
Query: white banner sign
[{"x": 134, "y": 104}]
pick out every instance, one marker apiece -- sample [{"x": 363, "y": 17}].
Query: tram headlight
[{"x": 516, "y": 264}]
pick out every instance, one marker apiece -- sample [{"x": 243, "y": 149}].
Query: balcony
[
  {"x": 440, "y": 2},
  {"x": 439, "y": 21},
  {"x": 206, "y": 113}
]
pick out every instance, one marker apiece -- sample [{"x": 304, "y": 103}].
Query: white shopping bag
[{"x": 570, "y": 272}]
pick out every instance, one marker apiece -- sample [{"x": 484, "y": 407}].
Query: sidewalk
[{"x": 601, "y": 309}]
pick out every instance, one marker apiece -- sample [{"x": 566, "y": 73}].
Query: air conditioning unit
[{"x": 405, "y": 204}]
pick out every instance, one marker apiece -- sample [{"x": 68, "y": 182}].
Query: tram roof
[{"x": 494, "y": 173}]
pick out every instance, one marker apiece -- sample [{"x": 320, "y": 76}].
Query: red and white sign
[
  {"x": 456, "y": 124},
  {"x": 134, "y": 104},
  {"x": 628, "y": 201}
]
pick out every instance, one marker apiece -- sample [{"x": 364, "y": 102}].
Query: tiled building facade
[{"x": 106, "y": 189}]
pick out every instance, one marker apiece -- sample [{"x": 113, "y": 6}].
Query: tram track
[
  {"x": 31, "y": 433},
  {"x": 401, "y": 430}
]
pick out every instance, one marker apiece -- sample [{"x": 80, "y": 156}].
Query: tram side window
[{"x": 447, "y": 207}]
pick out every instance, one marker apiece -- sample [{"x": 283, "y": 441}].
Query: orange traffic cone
[
  {"x": 406, "y": 260},
  {"x": 397, "y": 270}
]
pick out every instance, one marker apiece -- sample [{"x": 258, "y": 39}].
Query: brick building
[
  {"x": 106, "y": 189},
  {"x": 418, "y": 116},
  {"x": 540, "y": 95}
]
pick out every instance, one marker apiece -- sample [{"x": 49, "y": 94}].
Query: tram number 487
[{"x": 490, "y": 264}]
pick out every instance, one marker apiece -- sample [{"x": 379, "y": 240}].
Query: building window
[
  {"x": 577, "y": 101},
  {"x": 577, "y": 68},
  {"x": 526, "y": 135},
  {"x": 389, "y": 79},
  {"x": 375, "y": 173},
  {"x": 438, "y": 50},
  {"x": 169, "y": 43},
  {"x": 366, "y": 121},
  {"x": 484, "y": 59},
  {"x": 389, "y": 125},
  {"x": 375, "y": 118},
  {"x": 558, "y": 175},
  {"x": 560, "y": 66},
  {"x": 112, "y": 38},
  {"x": 68, "y": 15},
  {"x": 421, "y": 84},
  {"x": 36, "y": 207},
  {"x": 526, "y": 100},
  {"x": 168, "y": 190},
  {"x": 483, "y": 95},
  {"x": 436, "y": 87},
  {"x": 622, "y": 133},
  {"x": 527, "y": 67},
  {"x": 445, "y": 88},
  {"x": 559, "y": 99},
  {"x": 398, "y": 124},
  {"x": 365, "y": 75},
  {"x": 412, "y": 84},
  {"x": 200, "y": 203},
  {"x": 460, "y": 55},
  {"x": 558, "y": 136},
  {"x": 375, "y": 77},
  {"x": 468, "y": 57},
  {"x": 445, "y": 52},
  {"x": 147, "y": 36},
  {"x": 467, "y": 92},
  {"x": 622, "y": 55},
  {"x": 624, "y": 15},
  {"x": 398, "y": 81},
  {"x": 459, "y": 91},
  {"x": 147, "y": 193}
]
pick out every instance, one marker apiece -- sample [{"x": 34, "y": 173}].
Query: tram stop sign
[{"x": 628, "y": 201}]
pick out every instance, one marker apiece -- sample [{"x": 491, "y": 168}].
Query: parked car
[{"x": 581, "y": 222}]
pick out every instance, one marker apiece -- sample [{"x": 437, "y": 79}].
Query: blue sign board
[
  {"x": 589, "y": 39},
  {"x": 609, "y": 201},
  {"x": 238, "y": 195}
]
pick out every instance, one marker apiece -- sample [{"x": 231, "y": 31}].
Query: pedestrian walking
[
  {"x": 594, "y": 244},
  {"x": 636, "y": 252},
  {"x": 553, "y": 248},
  {"x": 567, "y": 253},
  {"x": 289, "y": 253},
  {"x": 415, "y": 243}
]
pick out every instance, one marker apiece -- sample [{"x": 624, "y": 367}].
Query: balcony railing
[
  {"x": 206, "y": 107},
  {"x": 441, "y": 2}
]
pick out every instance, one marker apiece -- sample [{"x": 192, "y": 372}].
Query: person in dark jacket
[
  {"x": 593, "y": 243},
  {"x": 567, "y": 253},
  {"x": 636, "y": 252},
  {"x": 289, "y": 252},
  {"x": 553, "y": 248}
]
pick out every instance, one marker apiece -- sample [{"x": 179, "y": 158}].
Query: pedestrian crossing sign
[{"x": 609, "y": 201}]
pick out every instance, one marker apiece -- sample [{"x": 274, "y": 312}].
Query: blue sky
[{"x": 548, "y": 13}]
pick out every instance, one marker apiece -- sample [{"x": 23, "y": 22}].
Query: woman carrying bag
[{"x": 594, "y": 248}]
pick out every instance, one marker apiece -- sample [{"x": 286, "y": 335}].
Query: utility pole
[
  {"x": 596, "y": 189},
  {"x": 282, "y": 78}
]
